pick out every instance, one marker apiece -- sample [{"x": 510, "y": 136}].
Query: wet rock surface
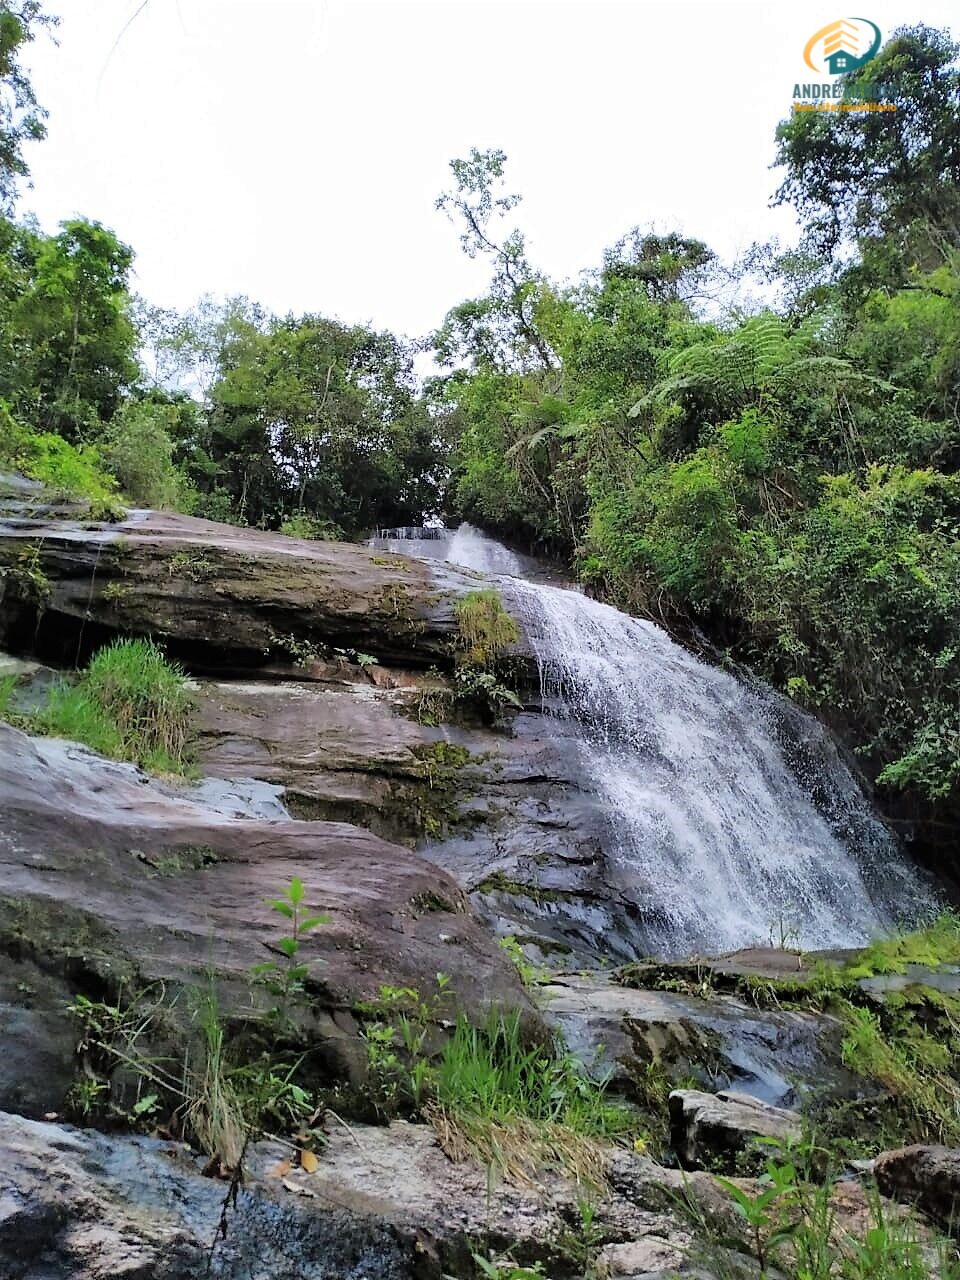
[
  {"x": 384, "y": 1202},
  {"x": 78, "y": 1205},
  {"x": 111, "y": 880},
  {"x": 221, "y": 596},
  {"x": 776, "y": 1055},
  {"x": 503, "y": 812}
]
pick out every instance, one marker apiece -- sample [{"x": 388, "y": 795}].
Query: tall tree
[
  {"x": 21, "y": 116},
  {"x": 501, "y": 328},
  {"x": 874, "y": 176},
  {"x": 76, "y": 340}
]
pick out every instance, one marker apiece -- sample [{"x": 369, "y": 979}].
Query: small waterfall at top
[{"x": 729, "y": 809}]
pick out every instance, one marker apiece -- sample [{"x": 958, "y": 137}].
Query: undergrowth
[
  {"x": 486, "y": 628},
  {"x": 485, "y": 631},
  {"x": 903, "y": 1041},
  {"x": 791, "y": 1225},
  {"x": 65, "y": 471},
  {"x": 491, "y": 1091},
  {"x": 129, "y": 704}
]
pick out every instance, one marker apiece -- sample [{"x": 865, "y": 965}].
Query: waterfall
[{"x": 729, "y": 810}]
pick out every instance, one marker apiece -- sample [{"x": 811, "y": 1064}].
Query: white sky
[{"x": 291, "y": 150}]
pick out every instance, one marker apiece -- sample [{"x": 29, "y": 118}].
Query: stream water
[{"x": 731, "y": 811}]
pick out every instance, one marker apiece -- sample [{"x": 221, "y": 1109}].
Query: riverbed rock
[
  {"x": 385, "y": 1201},
  {"x": 709, "y": 1129},
  {"x": 777, "y": 1055},
  {"x": 112, "y": 880},
  {"x": 502, "y": 812},
  {"x": 925, "y": 1176}
]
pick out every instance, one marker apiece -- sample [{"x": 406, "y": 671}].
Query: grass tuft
[
  {"x": 130, "y": 704},
  {"x": 521, "y": 1106},
  {"x": 486, "y": 628}
]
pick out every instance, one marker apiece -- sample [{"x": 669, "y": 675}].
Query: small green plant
[
  {"x": 210, "y": 1095},
  {"x": 766, "y": 1213},
  {"x": 482, "y": 691},
  {"x": 8, "y": 690},
  {"x": 530, "y": 974},
  {"x": 303, "y": 652},
  {"x": 354, "y": 655},
  {"x": 785, "y": 936},
  {"x": 115, "y": 593},
  {"x": 191, "y": 564},
  {"x": 793, "y": 1229},
  {"x": 285, "y": 978},
  {"x": 434, "y": 706},
  {"x": 521, "y": 1105},
  {"x": 504, "y": 1268}
]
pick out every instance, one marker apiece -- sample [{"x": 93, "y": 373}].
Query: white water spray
[{"x": 729, "y": 811}]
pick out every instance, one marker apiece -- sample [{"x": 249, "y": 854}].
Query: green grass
[
  {"x": 521, "y": 1106},
  {"x": 64, "y": 470},
  {"x": 130, "y": 704},
  {"x": 932, "y": 945},
  {"x": 8, "y": 686},
  {"x": 793, "y": 1227},
  {"x": 486, "y": 628}
]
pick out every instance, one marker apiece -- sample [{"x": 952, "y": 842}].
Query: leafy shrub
[
  {"x": 138, "y": 449},
  {"x": 301, "y": 524},
  {"x": 63, "y": 469}
]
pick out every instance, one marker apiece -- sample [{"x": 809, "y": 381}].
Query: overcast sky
[{"x": 291, "y": 150}]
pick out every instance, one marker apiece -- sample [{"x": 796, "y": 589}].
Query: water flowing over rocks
[{"x": 731, "y": 812}]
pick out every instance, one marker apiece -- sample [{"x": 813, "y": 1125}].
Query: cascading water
[{"x": 729, "y": 810}]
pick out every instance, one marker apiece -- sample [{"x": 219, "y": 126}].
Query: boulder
[
  {"x": 220, "y": 596},
  {"x": 501, "y": 812},
  {"x": 770, "y": 1053},
  {"x": 78, "y": 1205},
  {"x": 112, "y": 881},
  {"x": 928, "y": 1177},
  {"x": 707, "y": 1128}
]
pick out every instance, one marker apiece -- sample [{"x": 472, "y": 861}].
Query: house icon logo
[{"x": 842, "y": 46}]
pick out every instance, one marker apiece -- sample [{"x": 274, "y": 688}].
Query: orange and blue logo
[
  {"x": 844, "y": 45},
  {"x": 839, "y": 49}
]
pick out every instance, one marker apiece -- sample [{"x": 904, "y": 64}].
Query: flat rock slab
[
  {"x": 221, "y": 594},
  {"x": 511, "y": 824},
  {"x": 78, "y": 1205},
  {"x": 109, "y": 878},
  {"x": 385, "y": 1202}
]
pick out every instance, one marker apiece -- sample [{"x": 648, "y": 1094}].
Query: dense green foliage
[
  {"x": 784, "y": 479},
  {"x": 21, "y": 117},
  {"x": 222, "y": 411}
]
